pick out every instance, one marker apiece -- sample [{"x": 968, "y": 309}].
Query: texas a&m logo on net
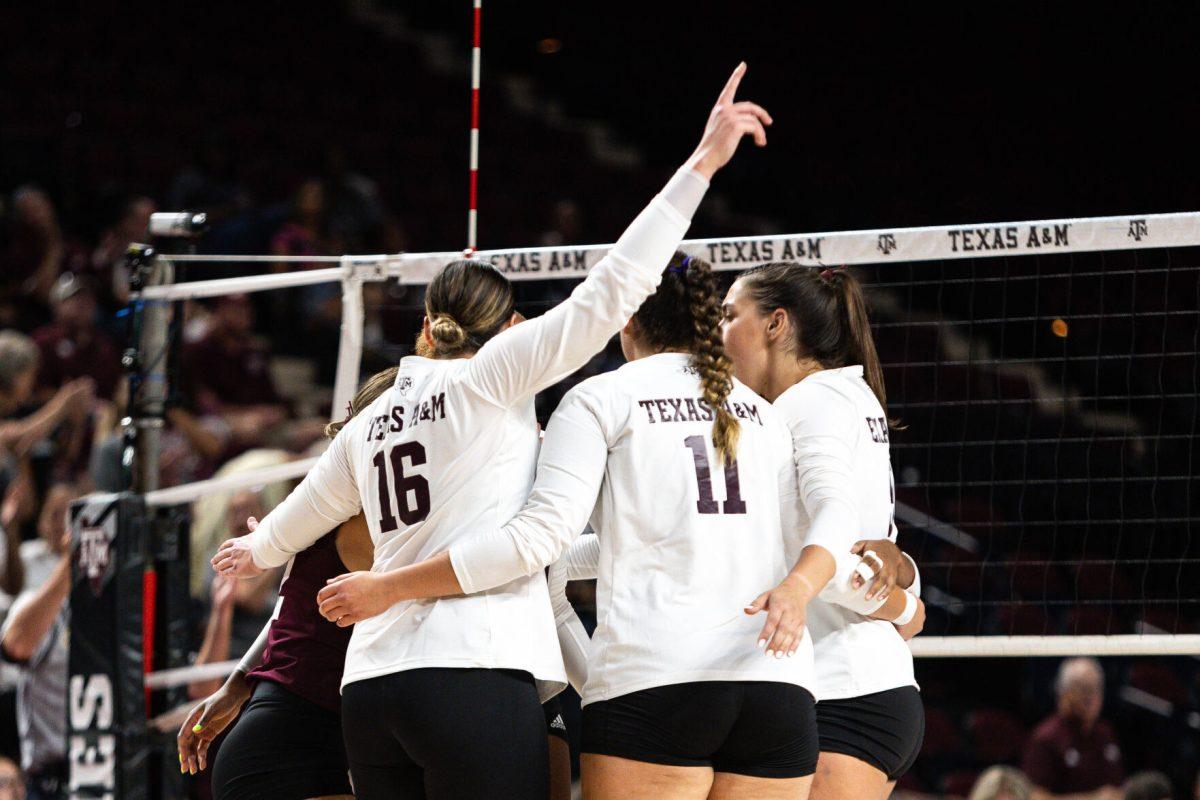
[
  {"x": 95, "y": 556},
  {"x": 1137, "y": 230}
]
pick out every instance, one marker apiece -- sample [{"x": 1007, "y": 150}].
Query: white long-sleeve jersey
[
  {"x": 840, "y": 441},
  {"x": 451, "y": 449},
  {"x": 685, "y": 543}
]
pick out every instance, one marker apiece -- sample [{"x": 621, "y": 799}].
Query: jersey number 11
[{"x": 733, "y": 491}]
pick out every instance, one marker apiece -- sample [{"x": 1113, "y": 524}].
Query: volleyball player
[
  {"x": 288, "y": 742},
  {"x": 441, "y": 699},
  {"x": 683, "y": 472},
  {"x": 800, "y": 337}
]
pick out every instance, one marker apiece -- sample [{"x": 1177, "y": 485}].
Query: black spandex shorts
[
  {"x": 555, "y": 726},
  {"x": 281, "y": 747},
  {"x": 442, "y": 733},
  {"x": 757, "y": 728},
  {"x": 884, "y": 729}
]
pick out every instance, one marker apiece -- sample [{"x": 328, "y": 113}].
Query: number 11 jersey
[{"x": 685, "y": 542}]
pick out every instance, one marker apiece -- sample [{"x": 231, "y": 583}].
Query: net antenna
[{"x": 473, "y": 197}]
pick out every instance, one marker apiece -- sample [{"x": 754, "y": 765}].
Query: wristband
[{"x": 910, "y": 610}]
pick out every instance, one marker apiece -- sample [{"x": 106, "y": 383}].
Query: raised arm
[{"x": 533, "y": 355}]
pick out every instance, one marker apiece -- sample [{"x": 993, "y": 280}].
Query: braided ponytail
[
  {"x": 685, "y": 315},
  {"x": 708, "y": 356}
]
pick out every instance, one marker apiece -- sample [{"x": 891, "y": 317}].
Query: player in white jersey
[
  {"x": 683, "y": 472},
  {"x": 800, "y": 337},
  {"x": 451, "y": 449}
]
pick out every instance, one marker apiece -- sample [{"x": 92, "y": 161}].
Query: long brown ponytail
[
  {"x": 372, "y": 387},
  {"x": 829, "y": 316},
  {"x": 685, "y": 314}
]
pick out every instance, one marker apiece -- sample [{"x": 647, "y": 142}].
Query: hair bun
[{"x": 446, "y": 331}]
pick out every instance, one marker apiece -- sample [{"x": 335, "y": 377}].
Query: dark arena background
[{"x": 1019, "y": 185}]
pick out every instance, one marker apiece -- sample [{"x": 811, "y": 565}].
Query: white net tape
[{"x": 874, "y": 247}]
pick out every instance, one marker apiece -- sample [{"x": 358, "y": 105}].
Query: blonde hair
[{"x": 1001, "y": 783}]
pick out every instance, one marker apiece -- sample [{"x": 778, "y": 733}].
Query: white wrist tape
[
  {"x": 863, "y": 570},
  {"x": 910, "y": 610}
]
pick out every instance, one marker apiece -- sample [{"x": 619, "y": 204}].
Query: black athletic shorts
[
  {"x": 884, "y": 729},
  {"x": 555, "y": 726},
  {"x": 758, "y": 728},
  {"x": 283, "y": 747},
  {"x": 444, "y": 734}
]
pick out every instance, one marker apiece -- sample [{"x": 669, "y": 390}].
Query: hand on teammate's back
[
  {"x": 728, "y": 122},
  {"x": 234, "y": 558}
]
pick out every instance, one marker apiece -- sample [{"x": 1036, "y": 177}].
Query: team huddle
[{"x": 752, "y": 607}]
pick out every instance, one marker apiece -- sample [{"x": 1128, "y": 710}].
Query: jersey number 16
[{"x": 405, "y": 485}]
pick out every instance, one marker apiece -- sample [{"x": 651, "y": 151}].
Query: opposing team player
[
  {"x": 441, "y": 699},
  {"x": 800, "y": 337}
]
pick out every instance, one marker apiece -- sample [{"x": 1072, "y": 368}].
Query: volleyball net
[{"x": 1045, "y": 375}]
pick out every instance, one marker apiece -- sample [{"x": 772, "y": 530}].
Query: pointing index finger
[{"x": 731, "y": 85}]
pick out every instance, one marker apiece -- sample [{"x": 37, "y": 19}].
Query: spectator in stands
[
  {"x": 23, "y": 424},
  {"x": 35, "y": 251},
  {"x": 253, "y": 599},
  {"x": 209, "y": 183},
  {"x": 306, "y": 231},
  {"x": 72, "y": 346},
  {"x": 108, "y": 259},
  {"x": 217, "y": 517},
  {"x": 1074, "y": 753},
  {"x": 225, "y": 373},
  {"x": 314, "y": 331},
  {"x": 566, "y": 225},
  {"x": 1001, "y": 783},
  {"x": 1148, "y": 786},
  {"x": 12, "y": 782},
  {"x": 356, "y": 212},
  {"x": 34, "y": 637},
  {"x": 215, "y": 646}
]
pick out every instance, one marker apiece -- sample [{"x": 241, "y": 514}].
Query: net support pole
[
  {"x": 145, "y": 363},
  {"x": 473, "y": 198},
  {"x": 345, "y": 382}
]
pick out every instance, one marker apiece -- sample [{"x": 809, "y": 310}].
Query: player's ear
[
  {"x": 425, "y": 334},
  {"x": 778, "y": 326}
]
